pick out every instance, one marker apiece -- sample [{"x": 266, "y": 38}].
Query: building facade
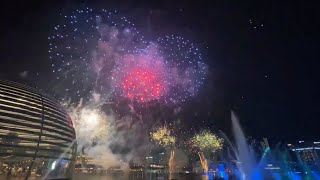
[
  {"x": 37, "y": 137},
  {"x": 307, "y": 153}
]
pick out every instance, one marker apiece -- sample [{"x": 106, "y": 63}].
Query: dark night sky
[{"x": 262, "y": 56}]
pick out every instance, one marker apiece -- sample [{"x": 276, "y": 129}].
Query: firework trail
[
  {"x": 164, "y": 137},
  {"x": 99, "y": 56},
  {"x": 206, "y": 142}
]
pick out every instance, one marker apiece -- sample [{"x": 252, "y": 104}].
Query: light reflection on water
[{"x": 135, "y": 176}]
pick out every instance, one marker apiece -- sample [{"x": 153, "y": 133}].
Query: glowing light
[
  {"x": 53, "y": 166},
  {"x": 163, "y": 136},
  {"x": 92, "y": 119},
  {"x": 142, "y": 78},
  {"x": 90, "y": 123},
  {"x": 307, "y": 148},
  {"x": 103, "y": 51},
  {"x": 207, "y": 141},
  {"x": 204, "y": 142},
  {"x": 171, "y": 161}
]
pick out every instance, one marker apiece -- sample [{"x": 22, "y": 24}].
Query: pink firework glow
[
  {"x": 143, "y": 83},
  {"x": 100, "y": 51},
  {"x": 141, "y": 76}
]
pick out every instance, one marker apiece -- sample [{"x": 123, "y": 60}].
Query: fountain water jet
[
  {"x": 275, "y": 164},
  {"x": 245, "y": 157}
]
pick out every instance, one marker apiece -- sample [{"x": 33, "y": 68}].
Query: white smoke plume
[{"x": 106, "y": 140}]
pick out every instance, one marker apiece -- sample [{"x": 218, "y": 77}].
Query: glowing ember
[
  {"x": 207, "y": 141},
  {"x": 163, "y": 136},
  {"x": 142, "y": 77}
]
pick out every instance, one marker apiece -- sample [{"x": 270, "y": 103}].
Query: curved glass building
[{"x": 37, "y": 137}]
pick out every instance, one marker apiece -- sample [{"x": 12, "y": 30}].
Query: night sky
[{"x": 262, "y": 57}]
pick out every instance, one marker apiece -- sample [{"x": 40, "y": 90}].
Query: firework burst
[
  {"x": 142, "y": 76},
  {"x": 206, "y": 141},
  {"x": 83, "y": 49},
  {"x": 102, "y": 51},
  {"x": 91, "y": 124},
  {"x": 163, "y": 136},
  {"x": 187, "y": 70}
]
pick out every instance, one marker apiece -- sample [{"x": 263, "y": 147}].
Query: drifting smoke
[
  {"x": 24, "y": 74},
  {"x": 109, "y": 142},
  {"x": 99, "y": 56},
  {"x": 102, "y": 51}
]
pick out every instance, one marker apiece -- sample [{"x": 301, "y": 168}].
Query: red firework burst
[{"x": 143, "y": 84}]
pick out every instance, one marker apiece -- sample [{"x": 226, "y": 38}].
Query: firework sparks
[
  {"x": 91, "y": 124},
  {"x": 207, "y": 141},
  {"x": 84, "y": 47},
  {"x": 187, "y": 70},
  {"x": 142, "y": 76},
  {"x": 99, "y": 52},
  {"x": 102, "y": 51},
  {"x": 163, "y": 136}
]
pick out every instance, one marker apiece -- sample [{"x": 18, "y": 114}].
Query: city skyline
[{"x": 257, "y": 67}]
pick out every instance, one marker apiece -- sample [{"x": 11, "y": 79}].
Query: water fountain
[
  {"x": 268, "y": 166},
  {"x": 246, "y": 163}
]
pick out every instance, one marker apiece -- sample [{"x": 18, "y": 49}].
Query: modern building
[
  {"x": 307, "y": 152},
  {"x": 37, "y": 137}
]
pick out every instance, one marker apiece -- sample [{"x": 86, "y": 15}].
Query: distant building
[
  {"x": 37, "y": 137},
  {"x": 307, "y": 152}
]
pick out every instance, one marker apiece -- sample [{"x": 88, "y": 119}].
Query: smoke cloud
[{"x": 108, "y": 141}]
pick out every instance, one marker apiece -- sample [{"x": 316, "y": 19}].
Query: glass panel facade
[{"x": 37, "y": 138}]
